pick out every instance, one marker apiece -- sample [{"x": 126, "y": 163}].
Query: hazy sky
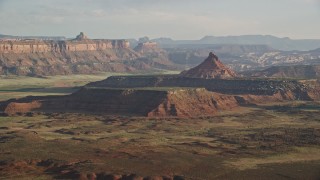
[{"x": 179, "y": 19}]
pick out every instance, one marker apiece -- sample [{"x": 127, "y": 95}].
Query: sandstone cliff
[
  {"x": 80, "y": 55},
  {"x": 81, "y": 43}
]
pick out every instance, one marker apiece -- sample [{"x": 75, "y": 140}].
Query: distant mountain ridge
[
  {"x": 56, "y": 38},
  {"x": 285, "y": 44}
]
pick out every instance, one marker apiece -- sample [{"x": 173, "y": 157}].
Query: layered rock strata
[
  {"x": 77, "y": 56},
  {"x": 81, "y": 43},
  {"x": 225, "y": 86},
  {"x": 150, "y": 103}
]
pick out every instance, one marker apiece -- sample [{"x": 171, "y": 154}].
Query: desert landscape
[
  {"x": 204, "y": 123},
  {"x": 159, "y": 90}
]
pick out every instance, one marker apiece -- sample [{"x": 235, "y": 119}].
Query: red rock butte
[{"x": 211, "y": 68}]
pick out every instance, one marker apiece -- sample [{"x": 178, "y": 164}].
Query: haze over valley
[{"x": 159, "y": 90}]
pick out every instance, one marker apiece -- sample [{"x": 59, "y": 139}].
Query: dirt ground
[{"x": 276, "y": 141}]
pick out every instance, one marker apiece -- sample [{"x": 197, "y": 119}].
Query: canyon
[
  {"x": 182, "y": 126},
  {"x": 182, "y": 95},
  {"x": 34, "y": 57},
  {"x": 82, "y": 55}
]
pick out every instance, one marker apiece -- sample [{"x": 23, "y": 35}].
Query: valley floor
[
  {"x": 275, "y": 141},
  {"x": 270, "y": 142}
]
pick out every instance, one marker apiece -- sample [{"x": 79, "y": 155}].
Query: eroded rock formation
[
  {"x": 151, "y": 103},
  {"x": 147, "y": 47},
  {"x": 211, "y": 68},
  {"x": 246, "y": 90},
  {"x": 299, "y": 71},
  {"x": 153, "y": 56},
  {"x": 80, "y": 55},
  {"x": 81, "y": 37},
  {"x": 81, "y": 43},
  {"x": 226, "y": 86},
  {"x": 162, "y": 96}
]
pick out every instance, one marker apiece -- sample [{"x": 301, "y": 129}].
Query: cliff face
[
  {"x": 301, "y": 90},
  {"x": 193, "y": 103},
  {"x": 162, "y": 102},
  {"x": 36, "y": 46},
  {"x": 151, "y": 103},
  {"x": 80, "y": 55},
  {"x": 138, "y": 96}
]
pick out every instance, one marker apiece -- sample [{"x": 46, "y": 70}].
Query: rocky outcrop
[
  {"x": 211, "y": 68},
  {"x": 81, "y": 37},
  {"x": 153, "y": 56},
  {"x": 146, "y": 47},
  {"x": 241, "y": 58},
  {"x": 81, "y": 43},
  {"x": 287, "y": 89},
  {"x": 77, "y": 56},
  {"x": 163, "y": 96},
  {"x": 193, "y": 102},
  {"x": 151, "y": 103},
  {"x": 298, "y": 71},
  {"x": 79, "y": 62},
  {"x": 166, "y": 101}
]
